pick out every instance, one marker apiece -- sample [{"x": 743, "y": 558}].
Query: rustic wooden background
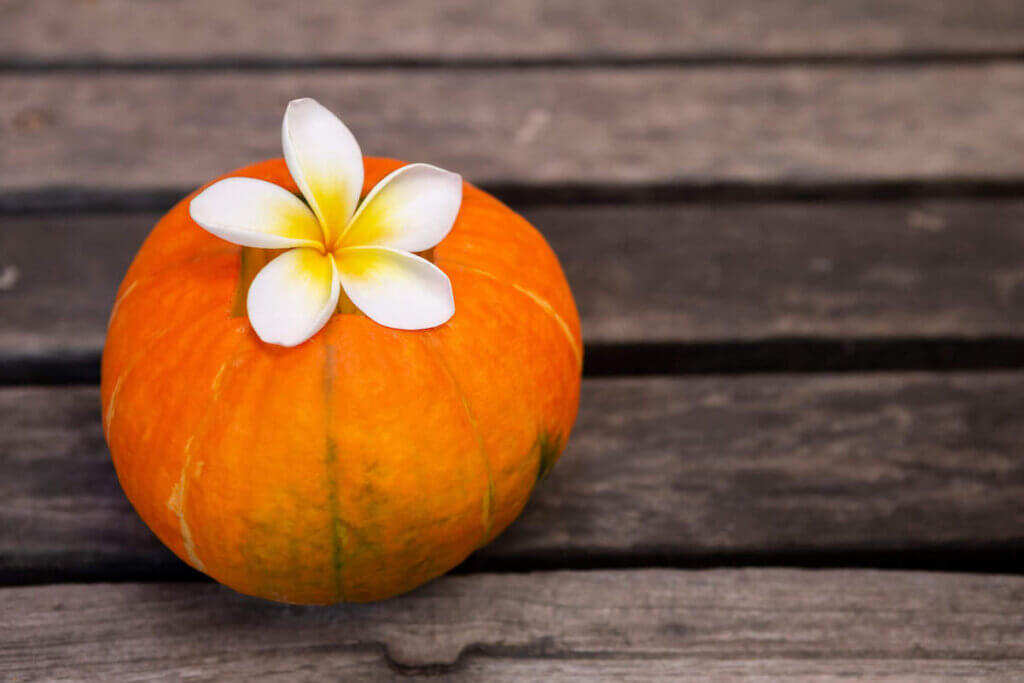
[{"x": 795, "y": 231}]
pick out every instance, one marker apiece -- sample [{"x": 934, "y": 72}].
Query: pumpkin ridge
[
  {"x": 168, "y": 268},
  {"x": 144, "y": 349},
  {"x": 138, "y": 360},
  {"x": 111, "y": 402},
  {"x": 140, "y": 356},
  {"x": 121, "y": 297},
  {"x": 330, "y": 460},
  {"x": 176, "y": 503},
  {"x": 159, "y": 334},
  {"x": 543, "y": 303},
  {"x": 488, "y": 513}
]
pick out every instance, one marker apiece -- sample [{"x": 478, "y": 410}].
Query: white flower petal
[
  {"x": 255, "y": 213},
  {"x": 412, "y": 208},
  {"x": 325, "y": 162},
  {"x": 394, "y": 288},
  {"x": 293, "y": 296}
]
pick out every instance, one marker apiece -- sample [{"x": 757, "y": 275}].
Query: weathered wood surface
[
  {"x": 748, "y": 623},
  {"x": 678, "y": 470},
  {"x": 670, "y": 273},
  {"x": 125, "y": 103},
  {"x": 130, "y": 31},
  {"x": 123, "y": 132}
]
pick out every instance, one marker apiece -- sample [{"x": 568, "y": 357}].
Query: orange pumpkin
[{"x": 363, "y": 462}]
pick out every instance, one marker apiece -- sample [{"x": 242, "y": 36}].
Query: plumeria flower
[{"x": 333, "y": 241}]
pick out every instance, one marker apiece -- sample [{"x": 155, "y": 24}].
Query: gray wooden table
[{"x": 795, "y": 231}]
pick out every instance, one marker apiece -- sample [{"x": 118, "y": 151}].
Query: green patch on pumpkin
[{"x": 549, "y": 447}]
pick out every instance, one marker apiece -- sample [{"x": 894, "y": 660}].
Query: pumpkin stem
[
  {"x": 345, "y": 305},
  {"x": 252, "y": 261}
]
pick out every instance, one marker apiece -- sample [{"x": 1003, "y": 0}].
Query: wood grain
[
  {"x": 130, "y": 31},
  {"x": 669, "y": 273},
  {"x": 751, "y": 623},
  {"x": 678, "y": 470},
  {"x": 112, "y": 132}
]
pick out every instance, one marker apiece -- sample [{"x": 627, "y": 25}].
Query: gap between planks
[
  {"x": 898, "y": 470},
  {"x": 53, "y": 201},
  {"x": 774, "y": 356},
  {"x": 691, "y": 288},
  {"x": 811, "y": 60},
  {"x": 130, "y": 31}
]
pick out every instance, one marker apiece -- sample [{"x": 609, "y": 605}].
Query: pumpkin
[{"x": 363, "y": 462}]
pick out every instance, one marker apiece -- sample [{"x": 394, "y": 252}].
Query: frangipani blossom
[{"x": 335, "y": 243}]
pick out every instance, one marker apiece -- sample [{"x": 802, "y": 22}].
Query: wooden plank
[
  {"x": 755, "y": 623},
  {"x": 679, "y": 470},
  {"x": 121, "y": 132},
  {"x": 762, "y": 670},
  {"x": 671, "y": 273},
  {"x": 129, "y": 31}
]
